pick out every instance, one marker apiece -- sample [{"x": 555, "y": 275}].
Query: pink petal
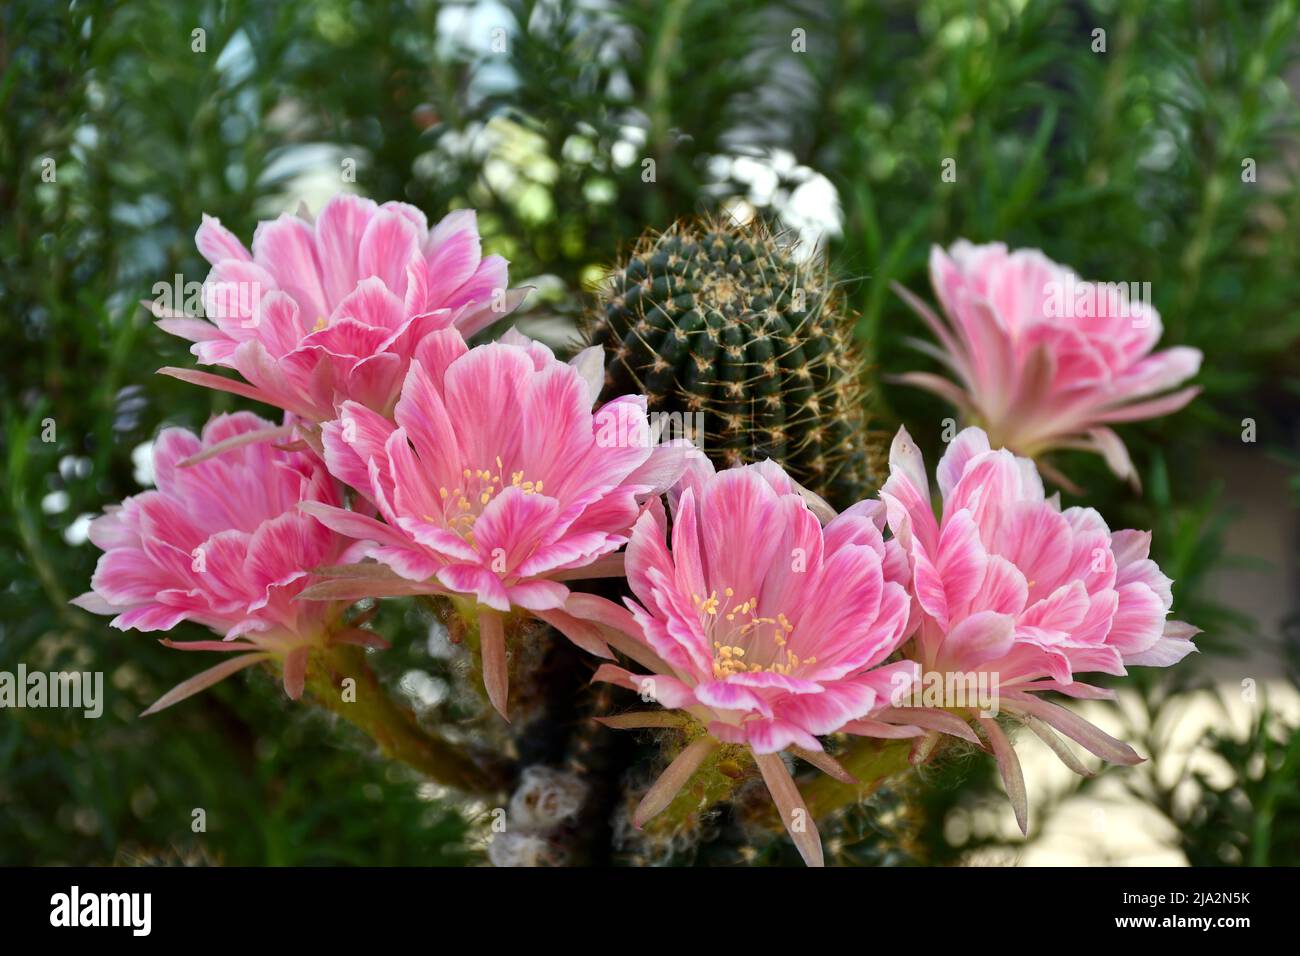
[
  {"x": 537, "y": 595},
  {"x": 980, "y": 638},
  {"x": 969, "y": 444},
  {"x": 422, "y": 413},
  {"x": 725, "y": 695},
  {"x": 768, "y": 736},
  {"x": 666, "y": 691},
  {"x": 476, "y": 388},
  {"x": 512, "y": 524},
  {"x": 1139, "y": 621},
  {"x": 391, "y": 242},
  {"x": 1168, "y": 650},
  {"x": 940, "y": 721},
  {"x": 216, "y": 242},
  {"x": 453, "y": 256},
  {"x": 1058, "y": 746},
  {"x": 416, "y": 565},
  {"x": 1003, "y": 590},
  {"x": 274, "y": 433},
  {"x": 371, "y": 303},
  {"x": 196, "y": 330},
  {"x": 906, "y": 494},
  {"x": 1111, "y": 447},
  {"x": 125, "y": 576},
  {"x": 948, "y": 586},
  {"x": 875, "y": 728},
  {"x": 286, "y": 248},
  {"x": 467, "y": 579},
  {"x": 93, "y": 603},
  {"x": 339, "y": 229},
  {"x": 352, "y": 524},
  {"x": 351, "y": 442}
]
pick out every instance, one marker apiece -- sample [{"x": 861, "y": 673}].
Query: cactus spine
[{"x": 722, "y": 324}]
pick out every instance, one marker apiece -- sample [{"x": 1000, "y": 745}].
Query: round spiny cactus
[{"x": 722, "y": 325}]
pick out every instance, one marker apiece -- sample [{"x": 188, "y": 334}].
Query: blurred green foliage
[{"x": 120, "y": 125}]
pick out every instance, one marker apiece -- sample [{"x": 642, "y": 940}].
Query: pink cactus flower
[
  {"x": 1044, "y": 360},
  {"x": 1013, "y": 589},
  {"x": 331, "y": 310},
  {"x": 222, "y": 544},
  {"x": 497, "y": 482},
  {"x": 764, "y": 626}
]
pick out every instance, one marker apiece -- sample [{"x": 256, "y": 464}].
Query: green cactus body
[{"x": 722, "y": 325}]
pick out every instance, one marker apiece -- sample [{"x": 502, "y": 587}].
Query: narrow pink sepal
[
  {"x": 610, "y": 566},
  {"x": 582, "y": 633},
  {"x": 1057, "y": 745},
  {"x": 672, "y": 780},
  {"x": 936, "y": 384},
  {"x": 1009, "y": 767},
  {"x": 1075, "y": 727},
  {"x": 922, "y": 748},
  {"x": 361, "y": 638},
  {"x": 208, "y": 380},
  {"x": 362, "y": 570},
  {"x": 593, "y": 607},
  {"x": 355, "y": 589},
  {"x": 937, "y": 720},
  {"x": 220, "y": 646},
  {"x": 642, "y": 718},
  {"x": 793, "y": 810},
  {"x": 492, "y": 650},
  {"x": 295, "y": 672},
  {"x": 618, "y": 627},
  {"x": 865, "y": 727},
  {"x": 202, "y": 681},
  {"x": 826, "y": 764},
  {"x": 236, "y": 441}
]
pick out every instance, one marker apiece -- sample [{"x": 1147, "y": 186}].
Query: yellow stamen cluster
[
  {"x": 729, "y": 657},
  {"x": 462, "y": 505}
]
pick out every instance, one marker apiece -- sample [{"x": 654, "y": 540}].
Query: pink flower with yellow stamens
[
  {"x": 1011, "y": 587},
  {"x": 496, "y": 481},
  {"x": 333, "y": 309},
  {"x": 767, "y": 628},
  {"x": 223, "y": 544}
]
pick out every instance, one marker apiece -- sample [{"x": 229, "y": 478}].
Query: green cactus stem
[{"x": 726, "y": 331}]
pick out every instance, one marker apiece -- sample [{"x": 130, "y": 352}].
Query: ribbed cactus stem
[
  {"x": 724, "y": 328},
  {"x": 871, "y": 761}
]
